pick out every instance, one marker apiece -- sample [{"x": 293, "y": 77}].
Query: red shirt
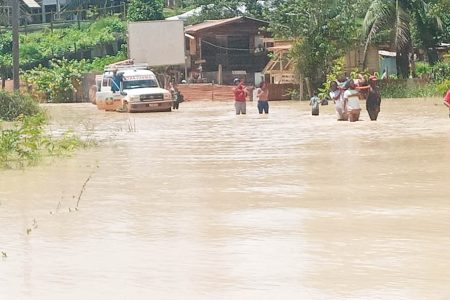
[
  {"x": 447, "y": 97},
  {"x": 239, "y": 94}
]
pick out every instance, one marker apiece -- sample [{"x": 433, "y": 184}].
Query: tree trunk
[
  {"x": 402, "y": 60},
  {"x": 432, "y": 55}
]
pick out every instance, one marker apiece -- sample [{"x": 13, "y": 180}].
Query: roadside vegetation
[
  {"x": 59, "y": 81},
  {"x": 23, "y": 138},
  {"x": 42, "y": 46},
  {"x": 323, "y": 32}
]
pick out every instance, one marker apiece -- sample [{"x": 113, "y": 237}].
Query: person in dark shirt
[
  {"x": 373, "y": 101},
  {"x": 115, "y": 81}
]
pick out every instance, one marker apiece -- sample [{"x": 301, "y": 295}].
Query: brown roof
[
  {"x": 192, "y": 29},
  {"x": 31, "y": 3}
]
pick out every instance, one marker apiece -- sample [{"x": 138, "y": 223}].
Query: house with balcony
[{"x": 222, "y": 50}]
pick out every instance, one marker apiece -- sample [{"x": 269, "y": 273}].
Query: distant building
[
  {"x": 221, "y": 50},
  {"x": 378, "y": 59},
  {"x": 51, "y": 7}
]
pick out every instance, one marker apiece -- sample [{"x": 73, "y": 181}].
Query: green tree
[
  {"x": 213, "y": 10},
  {"x": 406, "y": 19},
  {"x": 145, "y": 10},
  {"x": 323, "y": 30}
]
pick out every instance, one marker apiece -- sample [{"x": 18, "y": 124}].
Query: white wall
[
  {"x": 156, "y": 43},
  {"x": 53, "y": 2}
]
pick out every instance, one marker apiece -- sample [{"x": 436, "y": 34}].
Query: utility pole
[
  {"x": 58, "y": 10},
  {"x": 15, "y": 39}
]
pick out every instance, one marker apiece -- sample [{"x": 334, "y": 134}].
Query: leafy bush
[
  {"x": 13, "y": 105},
  {"x": 423, "y": 69},
  {"x": 442, "y": 87},
  {"x": 145, "y": 10},
  {"x": 25, "y": 141},
  {"x": 20, "y": 142},
  {"x": 60, "y": 81},
  {"x": 47, "y": 44},
  {"x": 440, "y": 71},
  {"x": 401, "y": 89},
  {"x": 99, "y": 63}
]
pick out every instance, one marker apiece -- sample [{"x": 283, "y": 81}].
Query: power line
[{"x": 225, "y": 48}]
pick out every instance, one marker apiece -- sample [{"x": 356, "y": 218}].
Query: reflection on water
[{"x": 202, "y": 204}]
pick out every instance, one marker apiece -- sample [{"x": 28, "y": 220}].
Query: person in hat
[
  {"x": 447, "y": 101},
  {"x": 373, "y": 101}
]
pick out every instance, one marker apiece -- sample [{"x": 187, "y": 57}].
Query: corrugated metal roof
[
  {"x": 31, "y": 3},
  {"x": 387, "y": 53},
  {"x": 214, "y": 23}
]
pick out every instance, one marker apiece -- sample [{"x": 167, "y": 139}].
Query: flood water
[{"x": 203, "y": 204}]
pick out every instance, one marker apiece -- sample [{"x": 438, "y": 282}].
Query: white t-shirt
[
  {"x": 352, "y": 99},
  {"x": 335, "y": 94}
]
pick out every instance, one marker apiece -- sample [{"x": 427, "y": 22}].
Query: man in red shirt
[
  {"x": 240, "y": 92},
  {"x": 447, "y": 101}
]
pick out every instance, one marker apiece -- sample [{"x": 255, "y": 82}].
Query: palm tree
[{"x": 400, "y": 16}]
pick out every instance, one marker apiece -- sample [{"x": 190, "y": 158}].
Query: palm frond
[
  {"x": 402, "y": 29},
  {"x": 380, "y": 14}
]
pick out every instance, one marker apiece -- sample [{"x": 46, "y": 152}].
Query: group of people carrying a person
[{"x": 347, "y": 93}]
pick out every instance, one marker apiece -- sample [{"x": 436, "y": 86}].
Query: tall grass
[
  {"x": 12, "y": 105},
  {"x": 23, "y": 139}
]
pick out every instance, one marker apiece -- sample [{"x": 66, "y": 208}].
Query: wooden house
[
  {"x": 378, "y": 59},
  {"x": 221, "y": 50},
  {"x": 280, "y": 68}
]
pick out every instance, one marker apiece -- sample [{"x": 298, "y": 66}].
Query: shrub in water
[{"x": 14, "y": 104}]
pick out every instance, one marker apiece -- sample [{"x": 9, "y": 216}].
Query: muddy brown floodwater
[{"x": 203, "y": 204}]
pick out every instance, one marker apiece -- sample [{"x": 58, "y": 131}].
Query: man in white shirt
[{"x": 351, "y": 100}]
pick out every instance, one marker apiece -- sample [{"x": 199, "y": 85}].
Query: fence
[{"x": 33, "y": 21}]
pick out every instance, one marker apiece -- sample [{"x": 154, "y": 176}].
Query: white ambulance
[{"x": 138, "y": 90}]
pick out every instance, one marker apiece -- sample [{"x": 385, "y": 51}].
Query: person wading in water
[
  {"x": 351, "y": 102},
  {"x": 336, "y": 94},
  {"x": 373, "y": 101},
  {"x": 240, "y": 93},
  {"x": 262, "y": 94}
]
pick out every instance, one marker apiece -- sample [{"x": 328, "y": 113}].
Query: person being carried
[
  {"x": 447, "y": 101},
  {"x": 262, "y": 94},
  {"x": 373, "y": 101},
  {"x": 240, "y": 94},
  {"x": 314, "y": 102},
  {"x": 362, "y": 86},
  {"x": 336, "y": 94},
  {"x": 351, "y": 102}
]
